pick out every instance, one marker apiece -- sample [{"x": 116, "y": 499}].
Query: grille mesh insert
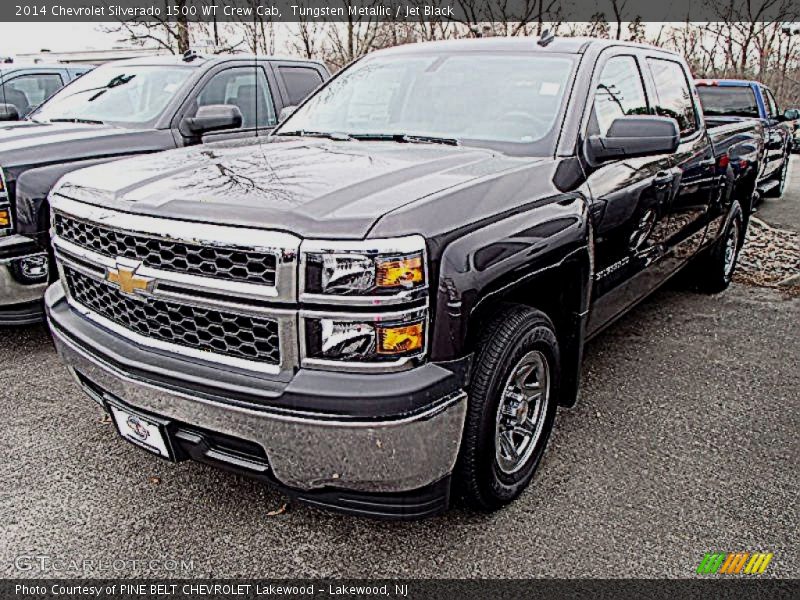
[
  {"x": 211, "y": 330},
  {"x": 193, "y": 259}
]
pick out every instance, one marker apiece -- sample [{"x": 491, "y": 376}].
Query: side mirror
[
  {"x": 286, "y": 112},
  {"x": 213, "y": 118},
  {"x": 791, "y": 114},
  {"x": 636, "y": 136},
  {"x": 8, "y": 112}
]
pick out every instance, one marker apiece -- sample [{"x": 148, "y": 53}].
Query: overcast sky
[
  {"x": 16, "y": 38},
  {"x": 24, "y": 38}
]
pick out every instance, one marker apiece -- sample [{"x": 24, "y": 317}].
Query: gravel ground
[
  {"x": 784, "y": 212},
  {"x": 685, "y": 441},
  {"x": 771, "y": 254}
]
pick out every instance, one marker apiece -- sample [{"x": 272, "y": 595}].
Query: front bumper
[
  {"x": 20, "y": 299},
  {"x": 394, "y": 465}
]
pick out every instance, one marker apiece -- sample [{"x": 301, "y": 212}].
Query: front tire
[{"x": 512, "y": 405}]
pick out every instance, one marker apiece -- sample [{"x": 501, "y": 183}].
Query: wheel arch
[{"x": 561, "y": 292}]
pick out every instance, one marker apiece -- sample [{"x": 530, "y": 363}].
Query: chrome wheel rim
[
  {"x": 730, "y": 249},
  {"x": 521, "y": 412}
]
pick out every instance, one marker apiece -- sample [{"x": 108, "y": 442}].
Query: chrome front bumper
[{"x": 305, "y": 452}]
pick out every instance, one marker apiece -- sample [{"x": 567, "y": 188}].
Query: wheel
[
  {"x": 512, "y": 405},
  {"x": 713, "y": 271},
  {"x": 777, "y": 191}
]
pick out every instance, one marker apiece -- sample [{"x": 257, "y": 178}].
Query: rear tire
[
  {"x": 777, "y": 191},
  {"x": 713, "y": 271},
  {"x": 512, "y": 405}
]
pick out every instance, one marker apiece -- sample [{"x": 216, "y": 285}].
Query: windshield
[
  {"x": 507, "y": 101},
  {"x": 733, "y": 101},
  {"x": 115, "y": 94}
]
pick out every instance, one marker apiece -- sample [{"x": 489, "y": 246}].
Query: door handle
[
  {"x": 709, "y": 162},
  {"x": 663, "y": 179}
]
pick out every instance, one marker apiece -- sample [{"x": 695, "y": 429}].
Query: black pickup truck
[
  {"x": 389, "y": 297},
  {"x": 123, "y": 109}
]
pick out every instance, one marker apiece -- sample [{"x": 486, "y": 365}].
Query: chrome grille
[
  {"x": 219, "y": 331},
  {"x": 215, "y": 262}
]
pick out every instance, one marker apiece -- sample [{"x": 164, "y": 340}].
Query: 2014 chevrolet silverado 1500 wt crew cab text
[
  {"x": 390, "y": 296},
  {"x": 122, "y": 109}
]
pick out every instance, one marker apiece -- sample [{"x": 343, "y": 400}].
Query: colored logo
[
  {"x": 127, "y": 280},
  {"x": 138, "y": 428},
  {"x": 734, "y": 563}
]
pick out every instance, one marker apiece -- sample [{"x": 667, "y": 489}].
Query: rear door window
[
  {"x": 728, "y": 100},
  {"x": 772, "y": 106},
  {"x": 674, "y": 95},
  {"x": 299, "y": 82}
]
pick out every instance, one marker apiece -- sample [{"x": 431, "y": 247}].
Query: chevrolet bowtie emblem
[{"x": 128, "y": 281}]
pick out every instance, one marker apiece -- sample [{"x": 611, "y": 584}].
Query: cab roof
[
  {"x": 563, "y": 45},
  {"x": 197, "y": 60},
  {"x": 15, "y": 66},
  {"x": 727, "y": 82}
]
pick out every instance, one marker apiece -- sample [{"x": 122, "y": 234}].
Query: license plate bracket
[{"x": 146, "y": 431}]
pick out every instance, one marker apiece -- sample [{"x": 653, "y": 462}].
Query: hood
[
  {"x": 26, "y": 144},
  {"x": 310, "y": 187}
]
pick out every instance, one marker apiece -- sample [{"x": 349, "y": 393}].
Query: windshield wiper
[
  {"x": 405, "y": 138},
  {"x": 77, "y": 120},
  {"x": 428, "y": 139},
  {"x": 114, "y": 82},
  {"x": 331, "y": 135}
]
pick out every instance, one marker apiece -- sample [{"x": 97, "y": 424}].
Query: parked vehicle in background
[
  {"x": 391, "y": 294},
  {"x": 796, "y": 135},
  {"x": 24, "y": 87},
  {"x": 726, "y": 100},
  {"x": 121, "y": 109}
]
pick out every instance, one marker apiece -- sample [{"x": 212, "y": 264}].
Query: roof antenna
[{"x": 545, "y": 39}]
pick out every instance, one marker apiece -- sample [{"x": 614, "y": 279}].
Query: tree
[
  {"x": 178, "y": 35},
  {"x": 306, "y": 40},
  {"x": 507, "y": 17},
  {"x": 172, "y": 36},
  {"x": 358, "y": 35}
]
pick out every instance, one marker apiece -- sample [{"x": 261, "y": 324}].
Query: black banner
[
  {"x": 464, "y": 11},
  {"x": 650, "y": 589}
]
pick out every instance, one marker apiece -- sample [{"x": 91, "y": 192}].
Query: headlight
[
  {"x": 354, "y": 276},
  {"x": 364, "y": 339},
  {"x": 5, "y": 215},
  {"x": 5, "y": 207},
  {"x": 380, "y": 271}
]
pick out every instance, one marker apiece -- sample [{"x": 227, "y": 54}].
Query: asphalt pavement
[{"x": 685, "y": 441}]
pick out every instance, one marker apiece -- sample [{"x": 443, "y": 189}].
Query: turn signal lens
[
  {"x": 403, "y": 272},
  {"x": 5, "y": 218},
  {"x": 400, "y": 340},
  {"x": 382, "y": 338}
]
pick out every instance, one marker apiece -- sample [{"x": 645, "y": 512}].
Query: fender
[
  {"x": 542, "y": 257},
  {"x": 32, "y": 188}
]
